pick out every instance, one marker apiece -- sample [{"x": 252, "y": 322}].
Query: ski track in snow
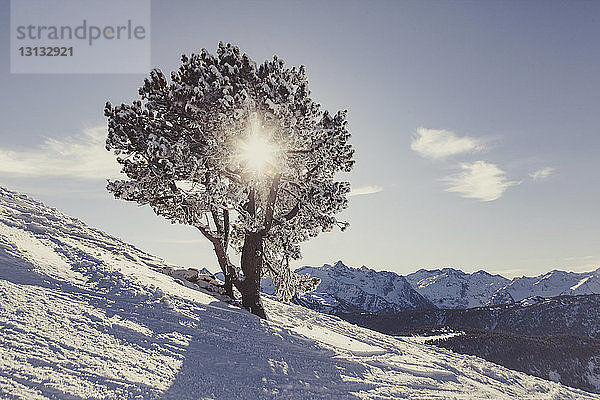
[{"x": 86, "y": 316}]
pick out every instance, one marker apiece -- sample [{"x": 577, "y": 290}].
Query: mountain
[
  {"x": 552, "y": 284},
  {"x": 451, "y": 288},
  {"x": 551, "y": 337},
  {"x": 353, "y": 290},
  {"x": 84, "y": 315},
  {"x": 345, "y": 289}
]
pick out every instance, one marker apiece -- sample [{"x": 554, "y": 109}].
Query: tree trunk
[
  {"x": 229, "y": 286},
  {"x": 226, "y": 268},
  {"x": 252, "y": 266}
]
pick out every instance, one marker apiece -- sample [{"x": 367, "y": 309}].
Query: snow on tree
[{"x": 242, "y": 153}]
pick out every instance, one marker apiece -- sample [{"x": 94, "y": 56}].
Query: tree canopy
[{"x": 241, "y": 152}]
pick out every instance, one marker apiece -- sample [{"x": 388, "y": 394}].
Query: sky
[{"x": 476, "y": 127}]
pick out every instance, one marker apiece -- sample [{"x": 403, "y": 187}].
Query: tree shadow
[
  {"x": 225, "y": 353},
  {"x": 243, "y": 357}
]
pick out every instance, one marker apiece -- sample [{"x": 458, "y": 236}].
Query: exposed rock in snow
[{"x": 192, "y": 278}]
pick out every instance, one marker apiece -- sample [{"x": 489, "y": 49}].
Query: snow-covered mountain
[
  {"x": 346, "y": 289},
  {"x": 452, "y": 288},
  {"x": 84, "y": 315},
  {"x": 554, "y": 283}
]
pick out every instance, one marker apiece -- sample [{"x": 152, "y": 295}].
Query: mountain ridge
[{"x": 444, "y": 288}]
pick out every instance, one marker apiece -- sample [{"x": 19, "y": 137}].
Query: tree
[{"x": 242, "y": 153}]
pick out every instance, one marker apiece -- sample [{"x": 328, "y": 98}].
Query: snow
[
  {"x": 85, "y": 315},
  {"x": 554, "y": 376},
  {"x": 580, "y": 283}
]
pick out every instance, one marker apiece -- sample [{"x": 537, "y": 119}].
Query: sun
[{"x": 256, "y": 151}]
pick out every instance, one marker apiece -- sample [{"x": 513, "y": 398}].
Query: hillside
[
  {"x": 564, "y": 315},
  {"x": 85, "y": 315},
  {"x": 571, "y": 360}
]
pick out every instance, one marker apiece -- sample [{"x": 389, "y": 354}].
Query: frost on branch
[{"x": 183, "y": 148}]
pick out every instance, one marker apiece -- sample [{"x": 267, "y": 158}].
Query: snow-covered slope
[
  {"x": 85, "y": 316},
  {"x": 451, "y": 288},
  {"x": 554, "y": 283},
  {"x": 346, "y": 289}
]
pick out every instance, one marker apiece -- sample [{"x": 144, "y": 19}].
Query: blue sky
[{"x": 476, "y": 125}]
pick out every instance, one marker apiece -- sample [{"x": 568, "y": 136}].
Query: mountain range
[{"x": 345, "y": 289}]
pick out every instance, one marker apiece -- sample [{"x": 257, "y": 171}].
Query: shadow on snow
[{"x": 230, "y": 354}]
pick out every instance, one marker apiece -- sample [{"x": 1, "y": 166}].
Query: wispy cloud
[
  {"x": 508, "y": 272},
  {"x": 370, "y": 189},
  {"x": 579, "y": 258},
  {"x": 438, "y": 144},
  {"x": 583, "y": 268},
  {"x": 479, "y": 180},
  {"x": 542, "y": 174},
  {"x": 82, "y": 156}
]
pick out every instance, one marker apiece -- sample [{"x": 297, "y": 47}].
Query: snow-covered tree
[{"x": 242, "y": 153}]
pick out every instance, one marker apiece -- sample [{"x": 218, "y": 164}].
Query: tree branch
[
  {"x": 251, "y": 204},
  {"x": 232, "y": 175},
  {"x": 225, "y": 229},
  {"x": 270, "y": 209},
  {"x": 290, "y": 214},
  {"x": 207, "y": 233},
  {"x": 217, "y": 221}
]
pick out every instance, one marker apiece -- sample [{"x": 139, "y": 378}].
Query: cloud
[
  {"x": 591, "y": 267},
  {"x": 82, "y": 156},
  {"x": 542, "y": 174},
  {"x": 509, "y": 272},
  {"x": 479, "y": 180},
  {"x": 370, "y": 189},
  {"x": 438, "y": 144},
  {"x": 578, "y": 258}
]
